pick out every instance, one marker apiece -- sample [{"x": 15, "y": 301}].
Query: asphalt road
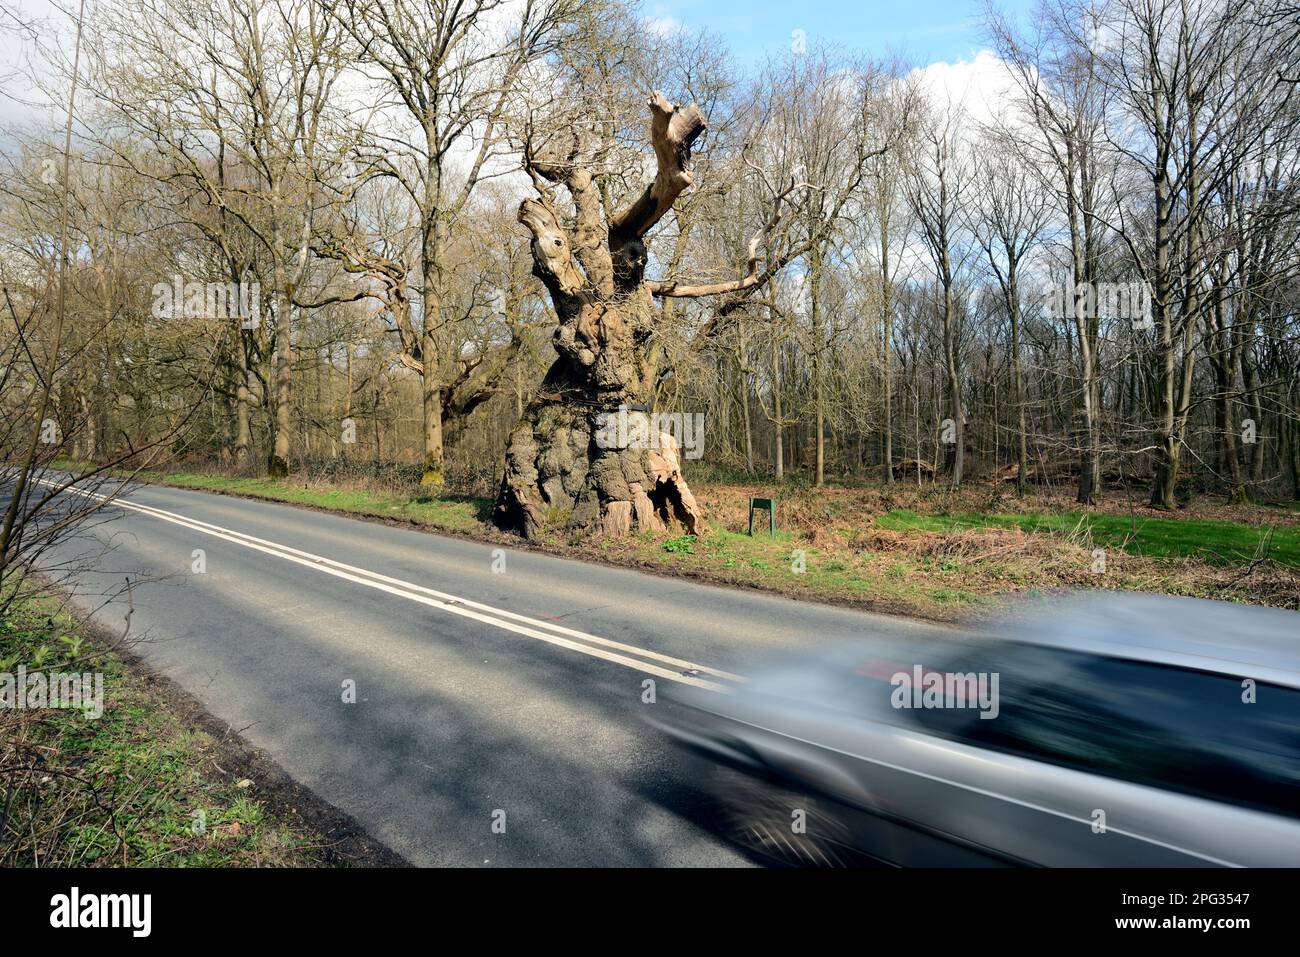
[{"x": 478, "y": 691}]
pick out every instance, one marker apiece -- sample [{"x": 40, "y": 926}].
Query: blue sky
[{"x": 924, "y": 31}]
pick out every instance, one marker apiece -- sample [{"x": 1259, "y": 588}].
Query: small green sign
[{"x": 770, "y": 505}]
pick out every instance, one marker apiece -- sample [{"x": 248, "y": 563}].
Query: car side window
[
  {"x": 1024, "y": 674},
  {"x": 1219, "y": 744},
  {"x": 1185, "y": 730}
]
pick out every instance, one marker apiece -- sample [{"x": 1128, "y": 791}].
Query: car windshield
[{"x": 1192, "y": 731}]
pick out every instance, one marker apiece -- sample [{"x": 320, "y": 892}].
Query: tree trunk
[
  {"x": 1013, "y": 303},
  {"x": 434, "y": 475},
  {"x": 778, "y": 421},
  {"x": 819, "y": 385},
  {"x": 887, "y": 333},
  {"x": 283, "y": 371},
  {"x": 1294, "y": 456},
  {"x": 243, "y": 403},
  {"x": 745, "y": 410},
  {"x": 1166, "y": 443},
  {"x": 958, "y": 453},
  {"x": 587, "y": 458}
]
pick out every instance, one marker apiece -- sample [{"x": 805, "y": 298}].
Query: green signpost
[{"x": 770, "y": 505}]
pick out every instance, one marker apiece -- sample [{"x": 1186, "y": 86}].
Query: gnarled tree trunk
[
  {"x": 585, "y": 457},
  {"x": 564, "y": 464}
]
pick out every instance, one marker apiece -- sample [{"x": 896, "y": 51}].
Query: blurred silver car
[{"x": 1097, "y": 730}]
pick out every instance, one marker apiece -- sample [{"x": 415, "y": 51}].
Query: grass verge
[
  {"x": 1220, "y": 543},
  {"x": 450, "y": 513},
  {"x": 150, "y": 781},
  {"x": 922, "y": 553}
]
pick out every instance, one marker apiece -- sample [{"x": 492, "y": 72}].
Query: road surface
[{"x": 486, "y": 681}]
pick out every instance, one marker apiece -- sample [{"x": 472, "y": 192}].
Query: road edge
[
  {"x": 869, "y": 606},
  {"x": 344, "y": 842}
]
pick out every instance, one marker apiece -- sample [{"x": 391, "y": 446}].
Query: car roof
[{"x": 1247, "y": 641}]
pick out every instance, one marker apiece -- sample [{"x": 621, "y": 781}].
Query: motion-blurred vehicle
[{"x": 1122, "y": 730}]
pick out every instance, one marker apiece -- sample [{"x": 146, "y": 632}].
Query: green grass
[
  {"x": 455, "y": 513},
  {"x": 136, "y": 786},
  {"x": 769, "y": 562},
  {"x": 1217, "y": 542},
  {"x": 903, "y": 581},
  {"x": 1220, "y": 543}
]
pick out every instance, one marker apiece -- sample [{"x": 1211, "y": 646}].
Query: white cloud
[
  {"x": 982, "y": 86},
  {"x": 664, "y": 26}
]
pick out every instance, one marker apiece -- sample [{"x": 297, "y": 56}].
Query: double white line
[{"x": 630, "y": 656}]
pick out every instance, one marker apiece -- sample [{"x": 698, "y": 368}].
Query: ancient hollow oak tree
[{"x": 561, "y": 466}]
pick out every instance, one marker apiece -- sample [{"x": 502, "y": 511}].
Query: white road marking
[{"x": 588, "y": 644}]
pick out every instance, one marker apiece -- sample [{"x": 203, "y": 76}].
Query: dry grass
[{"x": 929, "y": 551}]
